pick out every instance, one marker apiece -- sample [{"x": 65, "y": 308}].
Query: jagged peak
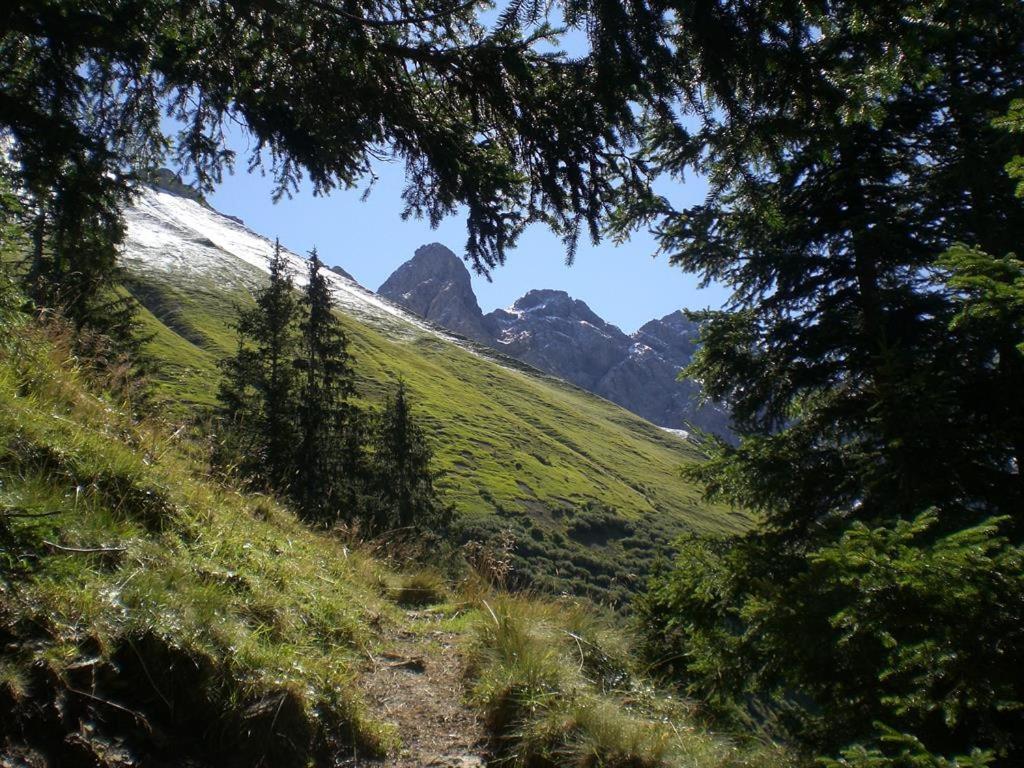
[
  {"x": 435, "y": 284},
  {"x": 677, "y": 321},
  {"x": 167, "y": 180},
  {"x": 540, "y": 296}
]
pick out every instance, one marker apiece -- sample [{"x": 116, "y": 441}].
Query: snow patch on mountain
[{"x": 171, "y": 233}]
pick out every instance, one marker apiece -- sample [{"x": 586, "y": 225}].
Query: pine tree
[
  {"x": 258, "y": 394},
  {"x": 70, "y": 267},
  {"x": 87, "y": 90},
  {"x": 326, "y": 417},
  {"x": 403, "y": 476}
]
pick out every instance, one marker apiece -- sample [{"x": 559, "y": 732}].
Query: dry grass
[{"x": 556, "y": 686}]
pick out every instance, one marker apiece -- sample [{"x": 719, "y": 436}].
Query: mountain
[
  {"x": 562, "y": 336},
  {"x": 589, "y": 491},
  {"x": 435, "y": 285}
]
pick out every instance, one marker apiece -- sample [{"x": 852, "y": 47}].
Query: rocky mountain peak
[
  {"x": 547, "y": 302},
  {"x": 674, "y": 336},
  {"x": 436, "y": 285},
  {"x": 440, "y": 261},
  {"x": 552, "y": 331}
]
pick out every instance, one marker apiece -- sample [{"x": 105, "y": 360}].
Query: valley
[{"x": 589, "y": 491}]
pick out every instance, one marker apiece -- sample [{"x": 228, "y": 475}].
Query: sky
[{"x": 623, "y": 284}]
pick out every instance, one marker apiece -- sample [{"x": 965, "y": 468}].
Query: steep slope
[
  {"x": 150, "y": 615},
  {"x": 562, "y": 336},
  {"x": 154, "y": 615},
  {"x": 588, "y": 490},
  {"x": 646, "y": 380}
]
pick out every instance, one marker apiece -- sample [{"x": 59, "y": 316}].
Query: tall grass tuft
[{"x": 556, "y": 687}]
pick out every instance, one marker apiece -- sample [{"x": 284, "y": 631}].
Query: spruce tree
[
  {"x": 872, "y": 366},
  {"x": 87, "y": 90},
  {"x": 70, "y": 265},
  {"x": 403, "y": 475},
  {"x": 258, "y": 394},
  {"x": 326, "y": 417}
]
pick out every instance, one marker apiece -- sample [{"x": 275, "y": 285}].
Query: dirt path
[{"x": 417, "y": 684}]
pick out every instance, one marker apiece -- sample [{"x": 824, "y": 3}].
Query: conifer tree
[
  {"x": 873, "y": 369},
  {"x": 258, "y": 392},
  {"x": 86, "y": 89},
  {"x": 70, "y": 265},
  {"x": 326, "y": 417},
  {"x": 403, "y": 476}
]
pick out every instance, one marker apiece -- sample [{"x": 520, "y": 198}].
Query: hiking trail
[{"x": 416, "y": 682}]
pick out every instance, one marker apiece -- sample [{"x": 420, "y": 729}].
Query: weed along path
[{"x": 416, "y": 683}]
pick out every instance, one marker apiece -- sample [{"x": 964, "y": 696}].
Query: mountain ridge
[{"x": 562, "y": 336}]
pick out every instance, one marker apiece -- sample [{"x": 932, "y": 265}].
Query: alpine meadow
[{"x": 256, "y": 515}]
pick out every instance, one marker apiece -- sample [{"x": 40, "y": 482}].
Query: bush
[{"x": 898, "y": 629}]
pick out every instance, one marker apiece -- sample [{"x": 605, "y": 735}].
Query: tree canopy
[
  {"x": 861, "y": 211},
  {"x": 480, "y": 115}
]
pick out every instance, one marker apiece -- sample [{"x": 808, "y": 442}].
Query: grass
[
  {"x": 590, "y": 492},
  {"x": 422, "y": 587},
  {"x": 151, "y": 613},
  {"x": 557, "y": 687},
  {"x": 158, "y": 608}
]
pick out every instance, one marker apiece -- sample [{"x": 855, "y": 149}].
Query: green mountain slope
[
  {"x": 153, "y": 614},
  {"x": 588, "y": 490}
]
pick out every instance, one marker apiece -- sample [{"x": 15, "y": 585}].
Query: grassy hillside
[
  {"x": 151, "y": 614},
  {"x": 158, "y": 610},
  {"x": 588, "y": 489}
]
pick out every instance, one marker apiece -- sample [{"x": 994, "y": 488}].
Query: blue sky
[{"x": 623, "y": 284}]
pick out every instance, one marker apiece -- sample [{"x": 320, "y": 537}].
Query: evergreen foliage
[
  {"x": 259, "y": 390},
  {"x": 64, "y": 255},
  {"x": 403, "y": 479},
  {"x": 480, "y": 113},
  {"x": 326, "y": 416},
  {"x": 860, "y": 211},
  {"x": 291, "y": 427}
]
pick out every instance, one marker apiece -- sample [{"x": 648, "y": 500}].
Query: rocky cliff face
[
  {"x": 435, "y": 285},
  {"x": 645, "y": 382},
  {"x": 562, "y": 336}
]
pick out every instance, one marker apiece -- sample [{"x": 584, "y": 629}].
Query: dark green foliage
[
  {"x": 259, "y": 391},
  {"x": 292, "y": 428},
  {"x": 63, "y": 254},
  {"x": 605, "y": 557},
  {"x": 1013, "y": 121},
  {"x": 888, "y": 627},
  {"x": 327, "y": 454},
  {"x": 480, "y": 115},
  {"x": 403, "y": 479},
  {"x": 874, "y": 370}
]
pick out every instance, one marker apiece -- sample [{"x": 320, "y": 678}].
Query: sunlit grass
[
  {"x": 114, "y": 540},
  {"x": 557, "y": 687},
  {"x": 516, "y": 451}
]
